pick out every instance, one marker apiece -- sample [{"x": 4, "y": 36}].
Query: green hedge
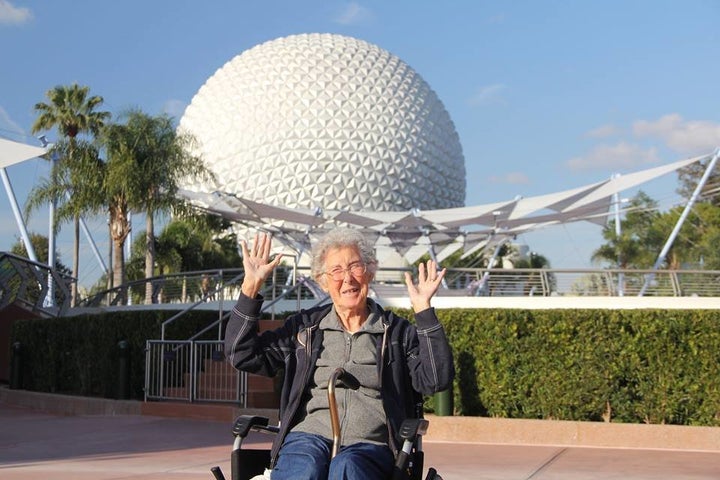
[
  {"x": 632, "y": 366},
  {"x": 80, "y": 355}
]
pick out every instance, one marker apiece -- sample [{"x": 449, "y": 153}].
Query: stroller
[{"x": 247, "y": 464}]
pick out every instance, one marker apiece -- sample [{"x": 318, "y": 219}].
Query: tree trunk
[
  {"x": 119, "y": 269},
  {"x": 120, "y": 228},
  {"x": 149, "y": 255}
]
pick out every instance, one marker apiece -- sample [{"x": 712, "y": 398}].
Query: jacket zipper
[
  {"x": 383, "y": 347},
  {"x": 306, "y": 373}
]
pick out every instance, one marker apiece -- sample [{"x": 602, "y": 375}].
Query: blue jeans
[{"x": 307, "y": 456}]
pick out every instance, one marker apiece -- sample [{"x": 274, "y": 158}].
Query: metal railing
[
  {"x": 37, "y": 287},
  {"x": 192, "y": 371},
  {"x": 198, "y": 287},
  {"x": 184, "y": 288},
  {"x": 33, "y": 286},
  {"x": 547, "y": 282},
  {"x": 584, "y": 282},
  {"x": 195, "y": 370}
]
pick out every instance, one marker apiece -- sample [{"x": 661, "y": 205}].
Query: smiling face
[{"x": 349, "y": 294}]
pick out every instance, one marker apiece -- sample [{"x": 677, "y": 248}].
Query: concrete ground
[{"x": 36, "y": 445}]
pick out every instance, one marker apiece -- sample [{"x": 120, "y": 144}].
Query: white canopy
[
  {"x": 14, "y": 152},
  {"x": 10, "y": 154},
  {"x": 446, "y": 230}
]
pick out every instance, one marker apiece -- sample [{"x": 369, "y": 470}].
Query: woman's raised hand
[
  {"x": 428, "y": 282},
  {"x": 257, "y": 264}
]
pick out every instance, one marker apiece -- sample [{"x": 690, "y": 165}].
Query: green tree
[
  {"x": 117, "y": 143},
  {"x": 40, "y": 245},
  {"x": 191, "y": 243},
  {"x": 690, "y": 176},
  {"x": 73, "y": 112},
  {"x": 645, "y": 232},
  {"x": 220, "y": 243},
  {"x": 702, "y": 251},
  {"x": 705, "y": 253},
  {"x": 533, "y": 260},
  {"x": 639, "y": 241},
  {"x": 147, "y": 160},
  {"x": 696, "y": 243},
  {"x": 74, "y": 187}
]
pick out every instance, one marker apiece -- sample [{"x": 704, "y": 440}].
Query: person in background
[{"x": 394, "y": 361}]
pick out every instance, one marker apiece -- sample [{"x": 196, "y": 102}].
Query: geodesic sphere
[{"x": 321, "y": 120}]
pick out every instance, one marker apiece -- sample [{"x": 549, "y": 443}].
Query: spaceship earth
[{"x": 328, "y": 121}]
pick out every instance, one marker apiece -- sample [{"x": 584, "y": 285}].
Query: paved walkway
[{"x": 36, "y": 445}]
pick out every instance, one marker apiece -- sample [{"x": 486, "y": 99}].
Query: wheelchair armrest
[
  {"x": 244, "y": 423},
  {"x": 413, "y": 427},
  {"x": 409, "y": 463},
  {"x": 267, "y": 428}
]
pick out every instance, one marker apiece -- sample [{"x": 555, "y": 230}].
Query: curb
[
  {"x": 59, "y": 404},
  {"x": 454, "y": 429},
  {"x": 573, "y": 434},
  {"x": 69, "y": 404}
]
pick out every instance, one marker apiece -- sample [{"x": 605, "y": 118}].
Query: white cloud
[
  {"x": 487, "y": 95},
  {"x": 513, "y": 178},
  {"x": 620, "y": 156},
  {"x": 687, "y": 137},
  {"x": 7, "y": 123},
  {"x": 603, "y": 131},
  {"x": 352, "y": 14},
  {"x": 12, "y": 15},
  {"x": 175, "y": 108}
]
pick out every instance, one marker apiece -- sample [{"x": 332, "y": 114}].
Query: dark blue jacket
[{"x": 415, "y": 360}]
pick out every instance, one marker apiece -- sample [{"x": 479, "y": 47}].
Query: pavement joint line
[{"x": 545, "y": 465}]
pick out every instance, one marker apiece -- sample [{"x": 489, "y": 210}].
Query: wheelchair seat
[
  {"x": 249, "y": 464},
  {"x": 252, "y": 464}
]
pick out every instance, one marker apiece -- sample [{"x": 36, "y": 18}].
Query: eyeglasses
[{"x": 356, "y": 269}]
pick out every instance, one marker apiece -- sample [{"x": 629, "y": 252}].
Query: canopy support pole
[
  {"x": 693, "y": 198},
  {"x": 18, "y": 217}
]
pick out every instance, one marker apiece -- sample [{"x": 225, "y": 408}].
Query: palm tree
[
  {"x": 74, "y": 187},
  {"x": 186, "y": 243},
  {"x": 73, "y": 112},
  {"x": 147, "y": 159},
  {"x": 163, "y": 163}
]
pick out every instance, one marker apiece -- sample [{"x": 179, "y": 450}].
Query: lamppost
[{"x": 50, "y": 299}]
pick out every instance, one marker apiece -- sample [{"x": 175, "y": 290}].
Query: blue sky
[{"x": 546, "y": 95}]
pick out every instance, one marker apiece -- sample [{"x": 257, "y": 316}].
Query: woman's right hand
[{"x": 257, "y": 264}]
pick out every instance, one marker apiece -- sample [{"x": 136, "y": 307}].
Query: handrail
[
  {"x": 33, "y": 285},
  {"x": 301, "y": 281},
  {"x": 170, "y": 320},
  {"x": 116, "y": 292},
  {"x": 184, "y": 288},
  {"x": 265, "y": 307}
]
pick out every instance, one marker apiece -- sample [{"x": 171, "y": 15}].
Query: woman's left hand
[{"x": 428, "y": 282}]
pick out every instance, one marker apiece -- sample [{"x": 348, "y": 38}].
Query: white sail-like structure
[{"x": 445, "y": 229}]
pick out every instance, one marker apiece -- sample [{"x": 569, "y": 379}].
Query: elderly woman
[{"x": 392, "y": 359}]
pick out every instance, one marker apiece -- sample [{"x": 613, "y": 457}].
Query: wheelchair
[{"x": 249, "y": 464}]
